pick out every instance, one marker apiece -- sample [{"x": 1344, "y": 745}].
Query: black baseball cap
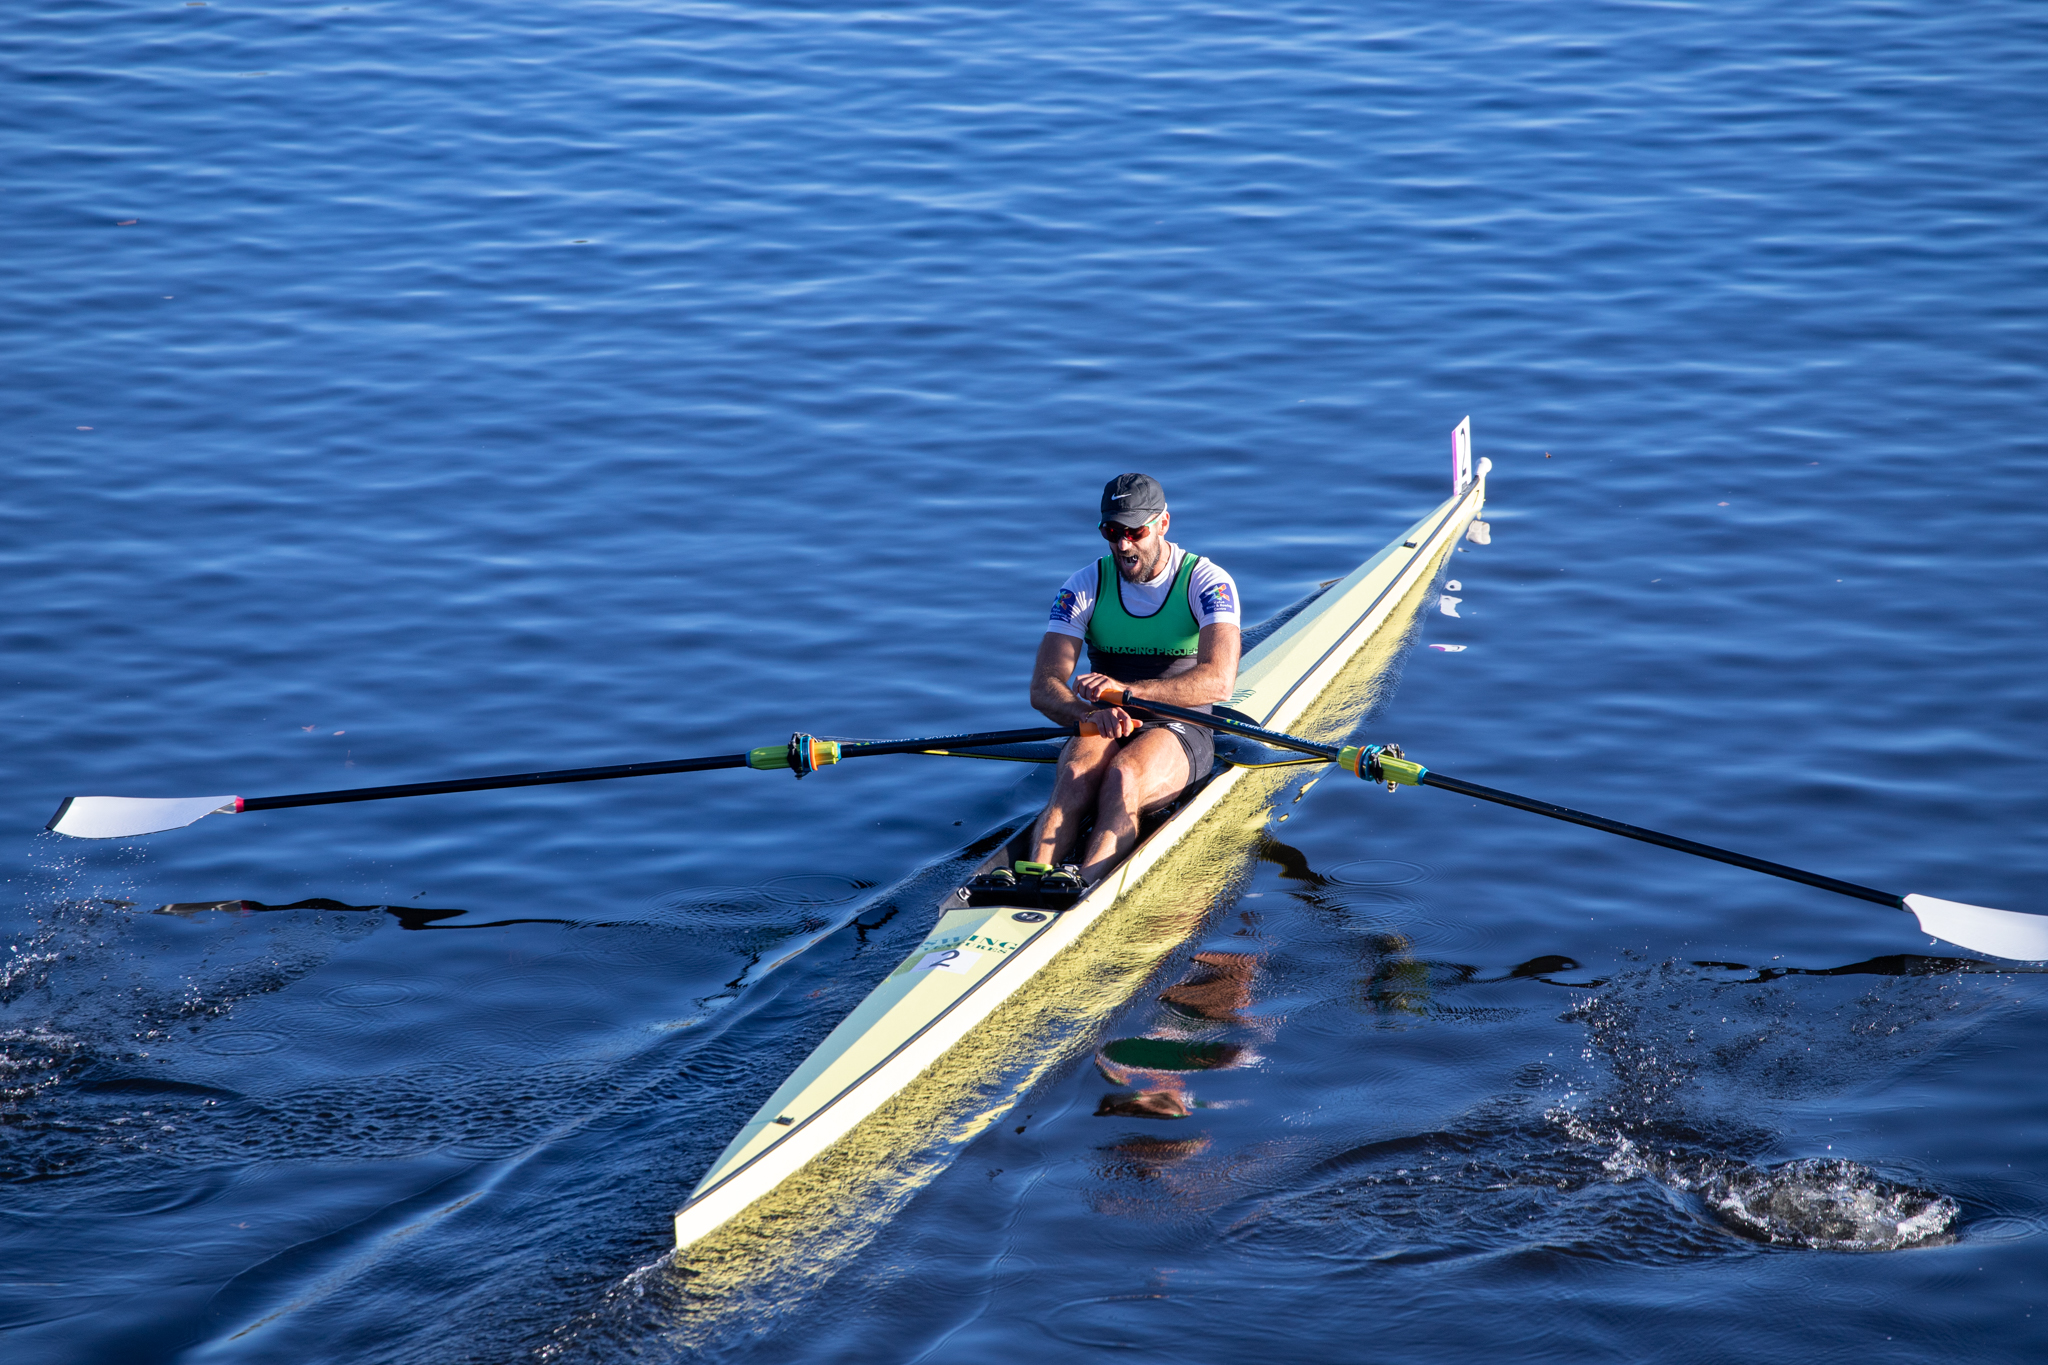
[{"x": 1132, "y": 499}]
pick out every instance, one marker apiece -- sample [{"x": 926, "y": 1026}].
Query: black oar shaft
[
  {"x": 480, "y": 784},
  {"x": 1231, "y": 727},
  {"x": 850, "y": 749},
  {"x": 863, "y": 748},
  {"x": 1431, "y": 778}
]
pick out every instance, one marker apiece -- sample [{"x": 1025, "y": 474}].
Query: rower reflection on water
[{"x": 1218, "y": 990}]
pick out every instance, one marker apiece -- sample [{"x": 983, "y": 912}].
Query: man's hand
[
  {"x": 1090, "y": 686},
  {"x": 1113, "y": 722}
]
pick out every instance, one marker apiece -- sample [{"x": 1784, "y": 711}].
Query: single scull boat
[{"x": 986, "y": 947}]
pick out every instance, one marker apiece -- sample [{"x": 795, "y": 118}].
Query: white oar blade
[
  {"x": 125, "y": 817},
  {"x": 2001, "y": 933}
]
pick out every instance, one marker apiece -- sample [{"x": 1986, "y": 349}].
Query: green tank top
[{"x": 1132, "y": 648}]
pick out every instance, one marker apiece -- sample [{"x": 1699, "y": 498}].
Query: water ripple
[{"x": 414, "y": 392}]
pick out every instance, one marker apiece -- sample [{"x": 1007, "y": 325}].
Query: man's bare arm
[{"x": 1050, "y": 695}]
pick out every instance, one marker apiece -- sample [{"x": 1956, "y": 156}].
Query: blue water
[{"x": 398, "y": 391}]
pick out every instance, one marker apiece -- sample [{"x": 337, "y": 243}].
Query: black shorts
[{"x": 1198, "y": 742}]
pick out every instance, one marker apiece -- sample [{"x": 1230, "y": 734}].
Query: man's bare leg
[
  {"x": 1150, "y": 771},
  {"x": 1082, "y": 767}
]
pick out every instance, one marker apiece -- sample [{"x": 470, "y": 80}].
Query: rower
[{"x": 1158, "y": 622}]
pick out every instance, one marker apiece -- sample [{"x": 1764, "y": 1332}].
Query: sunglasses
[{"x": 1114, "y": 532}]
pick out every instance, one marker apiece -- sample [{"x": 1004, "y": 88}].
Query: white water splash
[
  {"x": 1830, "y": 1204},
  {"x": 1643, "y": 1124}
]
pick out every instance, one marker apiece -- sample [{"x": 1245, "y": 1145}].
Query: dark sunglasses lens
[{"x": 1113, "y": 533}]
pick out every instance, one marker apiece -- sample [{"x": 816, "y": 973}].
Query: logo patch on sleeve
[
  {"x": 1218, "y": 598},
  {"x": 1065, "y": 606}
]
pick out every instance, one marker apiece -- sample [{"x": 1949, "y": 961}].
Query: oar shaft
[
  {"x": 480, "y": 784},
  {"x": 1228, "y": 726},
  {"x": 1432, "y": 778},
  {"x": 864, "y": 748},
  {"x": 849, "y": 749}
]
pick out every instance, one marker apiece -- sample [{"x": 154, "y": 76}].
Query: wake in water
[
  {"x": 1747, "y": 1040},
  {"x": 1650, "y": 1127},
  {"x": 1660, "y": 1150},
  {"x": 1817, "y": 1203},
  {"x": 209, "y": 1062},
  {"x": 102, "y": 998}
]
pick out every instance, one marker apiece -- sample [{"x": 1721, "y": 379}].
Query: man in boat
[{"x": 1158, "y": 622}]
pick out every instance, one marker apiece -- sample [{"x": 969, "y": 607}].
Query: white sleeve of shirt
[
  {"x": 1074, "y": 605},
  {"x": 1214, "y": 594}
]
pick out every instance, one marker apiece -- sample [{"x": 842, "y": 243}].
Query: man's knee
[
  {"x": 1137, "y": 777},
  {"x": 1079, "y": 773},
  {"x": 1124, "y": 783},
  {"x": 1085, "y": 762}
]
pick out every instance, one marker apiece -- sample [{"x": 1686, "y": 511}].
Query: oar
[
  {"x": 2001, "y": 933},
  {"x": 125, "y": 817}
]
